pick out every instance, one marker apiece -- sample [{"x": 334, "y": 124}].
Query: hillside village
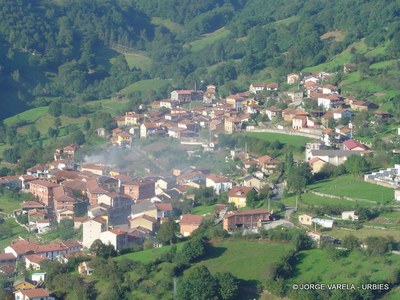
[{"x": 108, "y": 204}]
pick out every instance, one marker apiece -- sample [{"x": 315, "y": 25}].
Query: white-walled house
[
  {"x": 218, "y": 183},
  {"x": 349, "y": 215},
  {"x": 116, "y": 237},
  {"x": 92, "y": 230}
]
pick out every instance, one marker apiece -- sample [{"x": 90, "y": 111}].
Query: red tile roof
[
  {"x": 239, "y": 191},
  {"x": 99, "y": 219},
  {"x": 267, "y": 159},
  {"x": 218, "y": 178},
  {"x": 35, "y": 293},
  {"x": 250, "y": 212},
  {"x": 118, "y": 231},
  {"x": 6, "y": 256},
  {"x": 191, "y": 220},
  {"x": 164, "y": 206},
  {"x": 351, "y": 144},
  {"x": 35, "y": 258},
  {"x": 30, "y": 204},
  {"x": 44, "y": 183},
  {"x": 146, "y": 217}
]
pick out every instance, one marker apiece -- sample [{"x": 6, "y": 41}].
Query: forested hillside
[{"x": 78, "y": 50}]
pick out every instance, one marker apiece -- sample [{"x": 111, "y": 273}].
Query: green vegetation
[
  {"x": 316, "y": 266},
  {"x": 149, "y": 255},
  {"x": 246, "y": 260},
  {"x": 363, "y": 233},
  {"x": 172, "y": 26},
  {"x": 145, "y": 86},
  {"x": 292, "y": 140},
  {"x": 8, "y": 204},
  {"x": 138, "y": 60},
  {"x": 10, "y": 231},
  {"x": 208, "y": 39},
  {"x": 355, "y": 187},
  {"x": 203, "y": 209},
  {"x": 28, "y": 116},
  {"x": 308, "y": 199}
]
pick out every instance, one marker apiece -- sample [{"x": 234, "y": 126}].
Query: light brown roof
[
  {"x": 250, "y": 212},
  {"x": 22, "y": 247},
  {"x": 35, "y": 293},
  {"x": 118, "y": 231},
  {"x": 7, "y": 256},
  {"x": 44, "y": 183},
  {"x": 28, "y": 177},
  {"x": 29, "y": 204},
  {"x": 39, "y": 167},
  {"x": 164, "y": 206},
  {"x": 314, "y": 160},
  {"x": 217, "y": 178},
  {"x": 50, "y": 247},
  {"x": 98, "y": 167},
  {"x": 150, "y": 125},
  {"x": 146, "y": 217},
  {"x": 239, "y": 191},
  {"x": 191, "y": 220},
  {"x": 183, "y": 92},
  {"x": 35, "y": 258},
  {"x": 267, "y": 159},
  {"x": 99, "y": 219}
]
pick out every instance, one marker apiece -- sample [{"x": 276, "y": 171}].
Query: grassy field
[
  {"x": 394, "y": 294},
  {"x": 336, "y": 35},
  {"x": 8, "y": 205},
  {"x": 247, "y": 260},
  {"x": 138, "y": 60},
  {"x": 363, "y": 233},
  {"x": 383, "y": 64},
  {"x": 146, "y": 85},
  {"x": 294, "y": 140},
  {"x": 42, "y": 120},
  {"x": 244, "y": 259},
  {"x": 316, "y": 266},
  {"x": 371, "y": 85},
  {"x": 208, "y": 39},
  {"x": 315, "y": 200},
  {"x": 203, "y": 210},
  {"x": 29, "y": 116},
  {"x": 149, "y": 255},
  {"x": 173, "y": 26},
  {"x": 287, "y": 21},
  {"x": 16, "y": 232},
  {"x": 354, "y": 187},
  {"x": 345, "y": 56}
]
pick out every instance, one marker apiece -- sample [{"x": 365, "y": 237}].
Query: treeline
[
  {"x": 256, "y": 39},
  {"x": 66, "y": 39},
  {"x": 71, "y": 39},
  {"x": 253, "y": 144}
]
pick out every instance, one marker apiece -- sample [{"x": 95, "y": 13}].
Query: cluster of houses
[
  {"x": 122, "y": 210},
  {"x": 32, "y": 255},
  {"x": 168, "y": 117}
]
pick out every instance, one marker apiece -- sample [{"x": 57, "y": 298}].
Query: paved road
[
  {"x": 277, "y": 223},
  {"x": 288, "y": 212}
]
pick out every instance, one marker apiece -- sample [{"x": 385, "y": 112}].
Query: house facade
[
  {"x": 238, "y": 194},
  {"x": 218, "y": 183},
  {"x": 189, "y": 223},
  {"x": 250, "y": 219},
  {"x": 43, "y": 191}
]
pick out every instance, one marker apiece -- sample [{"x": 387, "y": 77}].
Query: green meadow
[{"x": 353, "y": 187}]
